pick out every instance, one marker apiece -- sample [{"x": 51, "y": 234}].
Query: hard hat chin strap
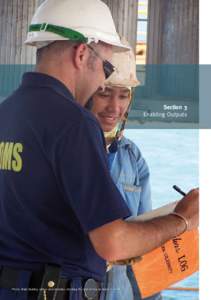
[{"x": 119, "y": 133}]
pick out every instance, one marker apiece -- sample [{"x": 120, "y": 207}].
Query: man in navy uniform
[{"x": 61, "y": 216}]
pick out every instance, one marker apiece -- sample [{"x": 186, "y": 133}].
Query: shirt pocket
[
  {"x": 131, "y": 188},
  {"x": 132, "y": 196}
]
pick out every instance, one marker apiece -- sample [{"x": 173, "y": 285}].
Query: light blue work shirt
[{"x": 130, "y": 173}]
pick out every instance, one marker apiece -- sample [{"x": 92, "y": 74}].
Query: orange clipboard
[
  {"x": 168, "y": 264},
  {"x": 175, "y": 260}
]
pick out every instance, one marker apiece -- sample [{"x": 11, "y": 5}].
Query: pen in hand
[{"x": 179, "y": 190}]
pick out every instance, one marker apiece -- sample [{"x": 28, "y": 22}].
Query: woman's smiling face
[{"x": 110, "y": 105}]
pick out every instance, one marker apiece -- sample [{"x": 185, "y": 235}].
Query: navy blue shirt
[{"x": 55, "y": 186}]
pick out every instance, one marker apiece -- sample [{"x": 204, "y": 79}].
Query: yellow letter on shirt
[{"x": 17, "y": 162}]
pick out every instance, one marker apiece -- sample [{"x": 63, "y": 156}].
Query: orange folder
[{"x": 168, "y": 264}]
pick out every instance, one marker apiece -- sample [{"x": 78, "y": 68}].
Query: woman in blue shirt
[{"x": 128, "y": 168}]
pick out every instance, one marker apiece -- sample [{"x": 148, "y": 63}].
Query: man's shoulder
[
  {"x": 46, "y": 108},
  {"x": 81, "y": 115},
  {"x": 67, "y": 106}
]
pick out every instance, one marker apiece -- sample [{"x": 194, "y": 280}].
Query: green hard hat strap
[{"x": 62, "y": 31}]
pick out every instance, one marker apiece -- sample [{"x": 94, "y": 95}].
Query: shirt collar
[
  {"x": 43, "y": 80},
  {"x": 124, "y": 142}
]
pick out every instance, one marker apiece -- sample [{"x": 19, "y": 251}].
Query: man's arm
[{"x": 120, "y": 240}]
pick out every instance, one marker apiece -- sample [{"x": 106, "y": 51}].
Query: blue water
[{"x": 172, "y": 156}]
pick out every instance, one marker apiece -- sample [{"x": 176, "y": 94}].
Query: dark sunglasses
[{"x": 108, "y": 68}]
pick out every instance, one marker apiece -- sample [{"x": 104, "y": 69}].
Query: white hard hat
[
  {"x": 78, "y": 20},
  {"x": 125, "y": 73}
]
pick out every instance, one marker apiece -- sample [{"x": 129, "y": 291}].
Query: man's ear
[{"x": 80, "y": 55}]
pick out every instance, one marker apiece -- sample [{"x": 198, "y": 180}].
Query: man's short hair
[{"x": 57, "y": 46}]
